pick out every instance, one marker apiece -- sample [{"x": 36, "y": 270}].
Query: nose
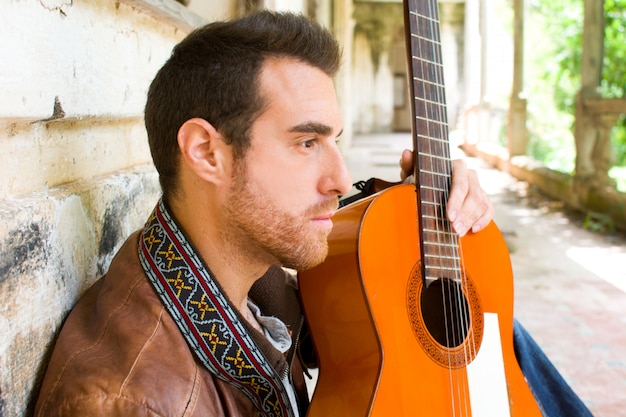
[{"x": 337, "y": 180}]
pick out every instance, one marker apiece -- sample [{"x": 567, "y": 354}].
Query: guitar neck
[{"x": 433, "y": 165}]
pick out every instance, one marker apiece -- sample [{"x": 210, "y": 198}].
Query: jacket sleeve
[{"x": 102, "y": 406}]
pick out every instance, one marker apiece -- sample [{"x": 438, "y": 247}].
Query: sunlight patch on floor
[{"x": 606, "y": 263}]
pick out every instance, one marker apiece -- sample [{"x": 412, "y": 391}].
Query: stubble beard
[{"x": 267, "y": 231}]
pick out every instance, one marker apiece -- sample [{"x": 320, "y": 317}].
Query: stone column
[
  {"x": 602, "y": 115},
  {"x": 586, "y": 129},
  {"x": 343, "y": 28},
  {"x": 517, "y": 133},
  {"x": 472, "y": 68}
]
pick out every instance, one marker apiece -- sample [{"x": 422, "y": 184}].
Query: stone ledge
[{"x": 580, "y": 196}]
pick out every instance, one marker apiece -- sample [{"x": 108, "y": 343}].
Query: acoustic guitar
[{"x": 406, "y": 318}]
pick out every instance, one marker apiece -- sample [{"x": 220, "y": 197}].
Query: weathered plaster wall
[{"x": 76, "y": 170}]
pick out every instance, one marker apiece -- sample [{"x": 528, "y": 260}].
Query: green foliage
[
  {"x": 598, "y": 222},
  {"x": 555, "y": 34},
  {"x": 614, "y": 70},
  {"x": 562, "y": 24}
]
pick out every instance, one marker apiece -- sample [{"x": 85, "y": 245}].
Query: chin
[{"x": 309, "y": 258}]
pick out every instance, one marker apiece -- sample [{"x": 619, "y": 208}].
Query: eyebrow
[{"x": 314, "y": 127}]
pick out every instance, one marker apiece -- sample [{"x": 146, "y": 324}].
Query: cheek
[{"x": 288, "y": 188}]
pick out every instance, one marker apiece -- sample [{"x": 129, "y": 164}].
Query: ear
[{"x": 203, "y": 150}]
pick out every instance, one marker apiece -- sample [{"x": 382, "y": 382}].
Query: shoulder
[{"x": 119, "y": 350}]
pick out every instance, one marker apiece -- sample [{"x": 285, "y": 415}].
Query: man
[{"x": 195, "y": 317}]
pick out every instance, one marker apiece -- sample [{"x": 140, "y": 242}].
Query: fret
[
  {"x": 447, "y": 265},
  {"x": 433, "y": 157},
  {"x": 421, "y": 37},
  {"x": 432, "y": 140},
  {"x": 432, "y": 228},
  {"x": 435, "y": 141},
  {"x": 440, "y": 232},
  {"x": 432, "y": 197},
  {"x": 442, "y": 253},
  {"x": 433, "y": 252},
  {"x": 431, "y": 204},
  {"x": 432, "y": 164},
  {"x": 422, "y": 74},
  {"x": 432, "y": 188},
  {"x": 439, "y": 271},
  {"x": 434, "y": 150},
  {"x": 429, "y": 165},
  {"x": 432, "y": 213},
  {"x": 436, "y": 274},
  {"x": 433, "y": 167},
  {"x": 444, "y": 269},
  {"x": 430, "y": 112},
  {"x": 435, "y": 177},
  {"x": 430, "y": 65},
  {"x": 427, "y": 94},
  {"x": 448, "y": 246},
  {"x": 450, "y": 261},
  {"x": 434, "y": 220},
  {"x": 441, "y": 238},
  {"x": 443, "y": 175}
]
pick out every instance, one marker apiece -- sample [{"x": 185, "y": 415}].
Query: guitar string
[
  {"x": 428, "y": 122},
  {"x": 464, "y": 321},
  {"x": 463, "y": 324},
  {"x": 449, "y": 246}
]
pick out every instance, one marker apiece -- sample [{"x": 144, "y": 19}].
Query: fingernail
[
  {"x": 452, "y": 215},
  {"x": 460, "y": 228}
]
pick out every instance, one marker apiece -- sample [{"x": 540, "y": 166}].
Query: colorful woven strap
[{"x": 205, "y": 317}]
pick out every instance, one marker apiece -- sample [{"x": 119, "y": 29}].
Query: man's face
[{"x": 286, "y": 189}]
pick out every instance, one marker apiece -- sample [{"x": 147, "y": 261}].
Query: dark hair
[{"x": 213, "y": 74}]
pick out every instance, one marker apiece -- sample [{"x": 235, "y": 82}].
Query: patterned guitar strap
[{"x": 205, "y": 317}]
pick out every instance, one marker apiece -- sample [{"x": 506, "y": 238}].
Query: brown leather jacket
[{"x": 121, "y": 354}]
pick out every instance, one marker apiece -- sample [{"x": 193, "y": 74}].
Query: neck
[{"x": 233, "y": 266}]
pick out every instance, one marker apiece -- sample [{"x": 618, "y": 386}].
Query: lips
[{"x": 325, "y": 216}]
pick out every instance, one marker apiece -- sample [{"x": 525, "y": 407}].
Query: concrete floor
[{"x": 570, "y": 283}]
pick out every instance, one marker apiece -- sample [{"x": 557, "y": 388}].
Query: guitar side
[{"x": 371, "y": 362}]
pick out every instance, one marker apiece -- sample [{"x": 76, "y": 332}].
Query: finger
[
  {"x": 484, "y": 220},
  {"x": 458, "y": 189},
  {"x": 476, "y": 212},
  {"x": 470, "y": 208},
  {"x": 406, "y": 164}
]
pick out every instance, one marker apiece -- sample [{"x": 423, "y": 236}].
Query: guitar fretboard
[{"x": 433, "y": 166}]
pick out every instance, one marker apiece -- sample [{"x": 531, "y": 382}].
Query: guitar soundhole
[
  {"x": 446, "y": 312},
  {"x": 446, "y": 318}
]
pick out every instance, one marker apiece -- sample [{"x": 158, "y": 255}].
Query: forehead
[{"x": 297, "y": 92}]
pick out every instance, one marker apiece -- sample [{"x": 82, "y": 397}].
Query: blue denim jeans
[{"x": 554, "y": 395}]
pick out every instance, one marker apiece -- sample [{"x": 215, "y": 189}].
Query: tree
[{"x": 558, "y": 54}]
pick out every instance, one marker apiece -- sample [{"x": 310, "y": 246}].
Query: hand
[{"x": 468, "y": 205}]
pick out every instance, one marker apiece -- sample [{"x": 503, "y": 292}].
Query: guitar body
[{"x": 364, "y": 307}]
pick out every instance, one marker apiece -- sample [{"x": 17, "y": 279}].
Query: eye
[{"x": 309, "y": 143}]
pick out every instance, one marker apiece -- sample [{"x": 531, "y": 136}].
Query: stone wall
[
  {"x": 601, "y": 204},
  {"x": 76, "y": 169}
]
